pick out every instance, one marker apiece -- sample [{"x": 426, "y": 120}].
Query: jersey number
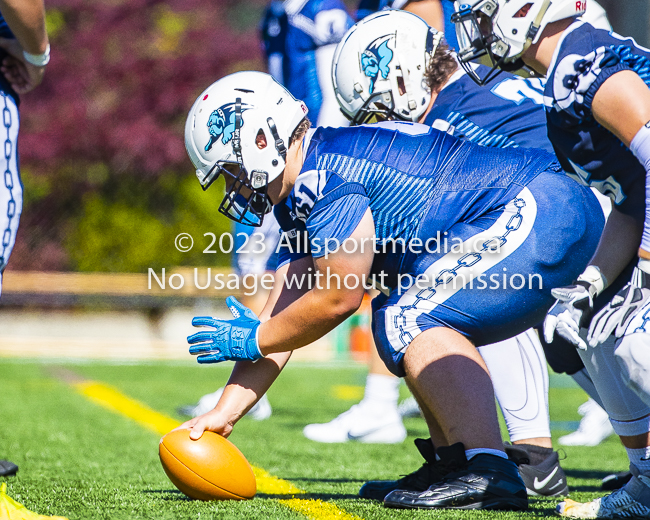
[
  {"x": 609, "y": 187},
  {"x": 519, "y": 90}
]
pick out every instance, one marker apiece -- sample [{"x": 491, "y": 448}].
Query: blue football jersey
[
  {"x": 273, "y": 32},
  {"x": 273, "y": 28},
  {"x": 585, "y": 58},
  {"x": 450, "y": 27},
  {"x": 312, "y": 24},
  {"x": 416, "y": 180},
  {"x": 506, "y": 113}
]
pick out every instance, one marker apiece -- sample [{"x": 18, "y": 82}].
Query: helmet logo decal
[
  {"x": 376, "y": 58},
  {"x": 221, "y": 123}
]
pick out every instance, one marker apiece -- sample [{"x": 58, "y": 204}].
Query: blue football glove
[{"x": 231, "y": 340}]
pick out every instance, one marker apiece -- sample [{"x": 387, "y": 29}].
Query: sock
[
  {"x": 382, "y": 391},
  {"x": 536, "y": 454},
  {"x": 477, "y": 451},
  {"x": 640, "y": 458}
]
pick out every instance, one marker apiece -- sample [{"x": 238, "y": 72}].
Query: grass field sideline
[{"x": 81, "y": 461}]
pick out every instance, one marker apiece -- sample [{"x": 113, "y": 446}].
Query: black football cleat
[
  {"x": 485, "y": 482},
  {"x": 546, "y": 478},
  {"x": 431, "y": 471},
  {"x": 7, "y": 469},
  {"x": 616, "y": 481}
]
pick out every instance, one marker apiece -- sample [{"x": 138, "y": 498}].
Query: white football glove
[
  {"x": 573, "y": 304},
  {"x": 617, "y": 314}
]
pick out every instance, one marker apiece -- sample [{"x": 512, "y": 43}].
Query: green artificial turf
[{"x": 81, "y": 461}]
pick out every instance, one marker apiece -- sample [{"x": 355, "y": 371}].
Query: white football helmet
[
  {"x": 504, "y": 29},
  {"x": 239, "y": 127},
  {"x": 379, "y": 65}
]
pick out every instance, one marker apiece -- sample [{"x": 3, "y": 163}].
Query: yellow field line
[
  {"x": 114, "y": 400},
  {"x": 317, "y": 509},
  {"x": 348, "y": 392}
]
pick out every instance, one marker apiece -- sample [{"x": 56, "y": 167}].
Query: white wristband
[
  {"x": 593, "y": 276},
  {"x": 38, "y": 60}
]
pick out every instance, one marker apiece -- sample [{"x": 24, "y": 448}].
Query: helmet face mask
[
  {"x": 242, "y": 202},
  {"x": 505, "y": 29},
  {"x": 477, "y": 38},
  {"x": 377, "y": 108}
]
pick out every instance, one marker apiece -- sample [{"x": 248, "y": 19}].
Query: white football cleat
[
  {"x": 360, "y": 423},
  {"x": 262, "y": 409},
  {"x": 409, "y": 408},
  {"x": 618, "y": 505},
  {"x": 594, "y": 426}
]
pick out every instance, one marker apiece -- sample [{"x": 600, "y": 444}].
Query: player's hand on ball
[
  {"x": 617, "y": 314},
  {"x": 212, "y": 421},
  {"x": 572, "y": 306},
  {"x": 230, "y": 340}
]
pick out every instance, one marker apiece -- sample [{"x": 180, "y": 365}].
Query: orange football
[{"x": 211, "y": 468}]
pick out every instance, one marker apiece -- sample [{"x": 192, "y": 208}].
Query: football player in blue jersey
[
  {"x": 424, "y": 83},
  {"x": 598, "y": 111},
  {"x": 299, "y": 38},
  {"x": 377, "y": 417},
  {"x": 381, "y": 204},
  {"x": 273, "y": 33},
  {"x": 24, "y": 53}
]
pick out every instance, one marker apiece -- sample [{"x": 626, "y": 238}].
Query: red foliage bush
[
  {"x": 122, "y": 78},
  {"x": 111, "y": 110}
]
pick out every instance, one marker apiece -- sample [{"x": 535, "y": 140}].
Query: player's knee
[{"x": 434, "y": 344}]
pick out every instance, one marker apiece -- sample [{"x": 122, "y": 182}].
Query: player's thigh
[{"x": 491, "y": 296}]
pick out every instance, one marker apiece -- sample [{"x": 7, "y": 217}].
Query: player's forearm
[
  {"x": 248, "y": 383},
  {"x": 307, "y": 319},
  {"x": 26, "y": 19},
  {"x": 618, "y": 244}
]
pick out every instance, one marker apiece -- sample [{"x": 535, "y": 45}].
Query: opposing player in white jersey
[
  {"x": 597, "y": 100},
  {"x": 299, "y": 38}
]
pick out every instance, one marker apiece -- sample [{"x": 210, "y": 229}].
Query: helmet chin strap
[
  {"x": 534, "y": 26},
  {"x": 236, "y": 139},
  {"x": 279, "y": 143}
]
